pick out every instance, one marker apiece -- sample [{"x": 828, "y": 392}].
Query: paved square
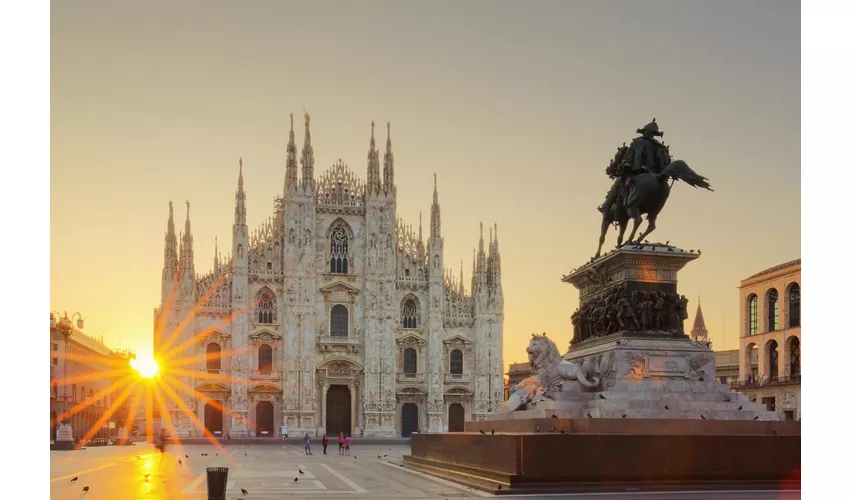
[{"x": 264, "y": 471}]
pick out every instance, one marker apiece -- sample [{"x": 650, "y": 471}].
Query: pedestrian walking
[
  {"x": 307, "y": 444},
  {"x": 341, "y": 440},
  {"x": 325, "y": 443},
  {"x": 347, "y": 447}
]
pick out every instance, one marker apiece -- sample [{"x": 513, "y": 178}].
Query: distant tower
[{"x": 699, "y": 332}]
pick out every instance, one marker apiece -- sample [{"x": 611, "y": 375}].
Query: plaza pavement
[{"x": 269, "y": 472}]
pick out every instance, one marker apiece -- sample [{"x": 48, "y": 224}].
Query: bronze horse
[{"x": 647, "y": 193}]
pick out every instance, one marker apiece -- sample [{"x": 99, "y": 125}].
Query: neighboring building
[
  {"x": 517, "y": 372},
  {"x": 728, "y": 365},
  {"x": 86, "y": 356},
  {"x": 770, "y": 332},
  {"x": 339, "y": 315}
]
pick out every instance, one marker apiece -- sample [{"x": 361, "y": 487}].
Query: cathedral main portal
[
  {"x": 265, "y": 418},
  {"x": 338, "y": 404},
  {"x": 212, "y": 420}
]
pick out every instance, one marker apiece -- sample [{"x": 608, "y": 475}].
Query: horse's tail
[{"x": 679, "y": 170}]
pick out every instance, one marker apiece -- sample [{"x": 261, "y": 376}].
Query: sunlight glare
[{"x": 145, "y": 365}]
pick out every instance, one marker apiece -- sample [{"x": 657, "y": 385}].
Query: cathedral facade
[{"x": 333, "y": 315}]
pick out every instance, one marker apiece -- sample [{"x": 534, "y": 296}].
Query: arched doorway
[
  {"x": 212, "y": 420},
  {"x": 338, "y": 404},
  {"x": 409, "y": 419},
  {"x": 456, "y": 416},
  {"x": 53, "y": 425},
  {"x": 265, "y": 418}
]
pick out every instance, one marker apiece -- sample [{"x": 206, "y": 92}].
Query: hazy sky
[{"x": 517, "y": 106}]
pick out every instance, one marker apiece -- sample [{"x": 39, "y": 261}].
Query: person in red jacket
[
  {"x": 341, "y": 440},
  {"x": 325, "y": 443}
]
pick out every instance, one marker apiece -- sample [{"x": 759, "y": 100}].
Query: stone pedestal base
[{"x": 578, "y": 462}]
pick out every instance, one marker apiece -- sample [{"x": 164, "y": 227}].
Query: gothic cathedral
[{"x": 331, "y": 316}]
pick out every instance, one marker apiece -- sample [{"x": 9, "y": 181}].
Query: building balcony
[
  {"x": 452, "y": 378},
  {"x": 767, "y": 382},
  {"x": 265, "y": 375},
  {"x": 349, "y": 344},
  {"x": 410, "y": 378}
]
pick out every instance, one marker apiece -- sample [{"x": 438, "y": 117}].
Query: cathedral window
[
  {"x": 266, "y": 308},
  {"x": 753, "y": 315},
  {"x": 339, "y": 251},
  {"x": 213, "y": 356},
  {"x": 408, "y": 314},
  {"x": 339, "y": 321},
  {"x": 265, "y": 358},
  {"x": 793, "y": 305},
  {"x": 456, "y": 362},
  {"x": 410, "y": 361},
  {"x": 772, "y": 309},
  {"x": 268, "y": 266}
]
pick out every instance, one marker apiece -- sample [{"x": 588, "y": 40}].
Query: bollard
[{"x": 216, "y": 483}]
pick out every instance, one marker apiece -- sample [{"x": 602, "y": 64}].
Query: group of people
[{"x": 344, "y": 444}]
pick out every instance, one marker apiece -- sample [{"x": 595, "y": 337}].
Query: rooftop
[{"x": 786, "y": 265}]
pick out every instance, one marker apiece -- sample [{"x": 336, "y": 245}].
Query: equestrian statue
[{"x": 641, "y": 172}]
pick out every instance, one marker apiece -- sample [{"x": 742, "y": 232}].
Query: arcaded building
[{"x": 770, "y": 332}]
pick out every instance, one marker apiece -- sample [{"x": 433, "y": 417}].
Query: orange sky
[{"x": 517, "y": 110}]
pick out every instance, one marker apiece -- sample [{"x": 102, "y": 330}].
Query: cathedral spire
[
  {"x": 481, "y": 263},
  {"x": 373, "y": 166},
  {"x": 307, "y": 155},
  {"x": 389, "y": 170},
  {"x": 170, "y": 262},
  {"x": 699, "y": 332},
  {"x": 435, "y": 212},
  {"x": 241, "y": 215},
  {"x": 187, "y": 259},
  {"x": 461, "y": 277},
  {"x": 291, "y": 157},
  {"x": 215, "y": 256}
]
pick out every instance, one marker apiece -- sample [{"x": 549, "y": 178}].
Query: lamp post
[{"x": 65, "y": 325}]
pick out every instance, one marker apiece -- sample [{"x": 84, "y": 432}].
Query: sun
[{"x": 146, "y": 366}]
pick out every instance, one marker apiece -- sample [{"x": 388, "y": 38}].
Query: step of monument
[
  {"x": 681, "y": 385},
  {"x": 684, "y": 414},
  {"x": 672, "y": 404},
  {"x": 669, "y": 396}
]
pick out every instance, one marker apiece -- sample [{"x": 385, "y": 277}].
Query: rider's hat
[{"x": 651, "y": 128}]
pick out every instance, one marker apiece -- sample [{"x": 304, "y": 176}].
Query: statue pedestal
[
  {"x": 64, "y": 438},
  {"x": 658, "y": 420}
]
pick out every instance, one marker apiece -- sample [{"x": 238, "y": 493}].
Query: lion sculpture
[{"x": 553, "y": 373}]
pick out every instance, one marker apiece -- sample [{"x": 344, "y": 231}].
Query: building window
[
  {"x": 408, "y": 314},
  {"x": 789, "y": 415},
  {"x": 795, "y": 357},
  {"x": 753, "y": 315},
  {"x": 213, "y": 357},
  {"x": 265, "y": 355},
  {"x": 773, "y": 350},
  {"x": 339, "y": 321},
  {"x": 793, "y": 305},
  {"x": 770, "y": 403},
  {"x": 723, "y": 380},
  {"x": 266, "y": 308},
  {"x": 339, "y": 251},
  {"x": 456, "y": 362},
  {"x": 268, "y": 266},
  {"x": 410, "y": 361},
  {"x": 55, "y": 361},
  {"x": 772, "y": 310},
  {"x": 54, "y": 346}
]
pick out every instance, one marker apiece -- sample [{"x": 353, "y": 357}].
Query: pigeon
[
  {"x": 666, "y": 407},
  {"x": 481, "y": 431},
  {"x": 85, "y": 488},
  {"x": 301, "y": 472},
  {"x": 180, "y": 462},
  {"x": 537, "y": 429},
  {"x": 667, "y": 242},
  {"x": 554, "y": 416},
  {"x": 670, "y": 249},
  {"x": 699, "y": 251},
  {"x": 563, "y": 431},
  {"x": 245, "y": 492},
  {"x": 75, "y": 478},
  {"x": 703, "y": 417},
  {"x": 187, "y": 456},
  {"x": 740, "y": 407},
  {"x": 774, "y": 432},
  {"x": 246, "y": 454},
  {"x": 589, "y": 415},
  {"x": 492, "y": 431},
  {"x": 500, "y": 487},
  {"x": 601, "y": 396},
  {"x": 296, "y": 479},
  {"x": 756, "y": 417},
  {"x": 691, "y": 251},
  {"x": 624, "y": 415},
  {"x": 355, "y": 457}
]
